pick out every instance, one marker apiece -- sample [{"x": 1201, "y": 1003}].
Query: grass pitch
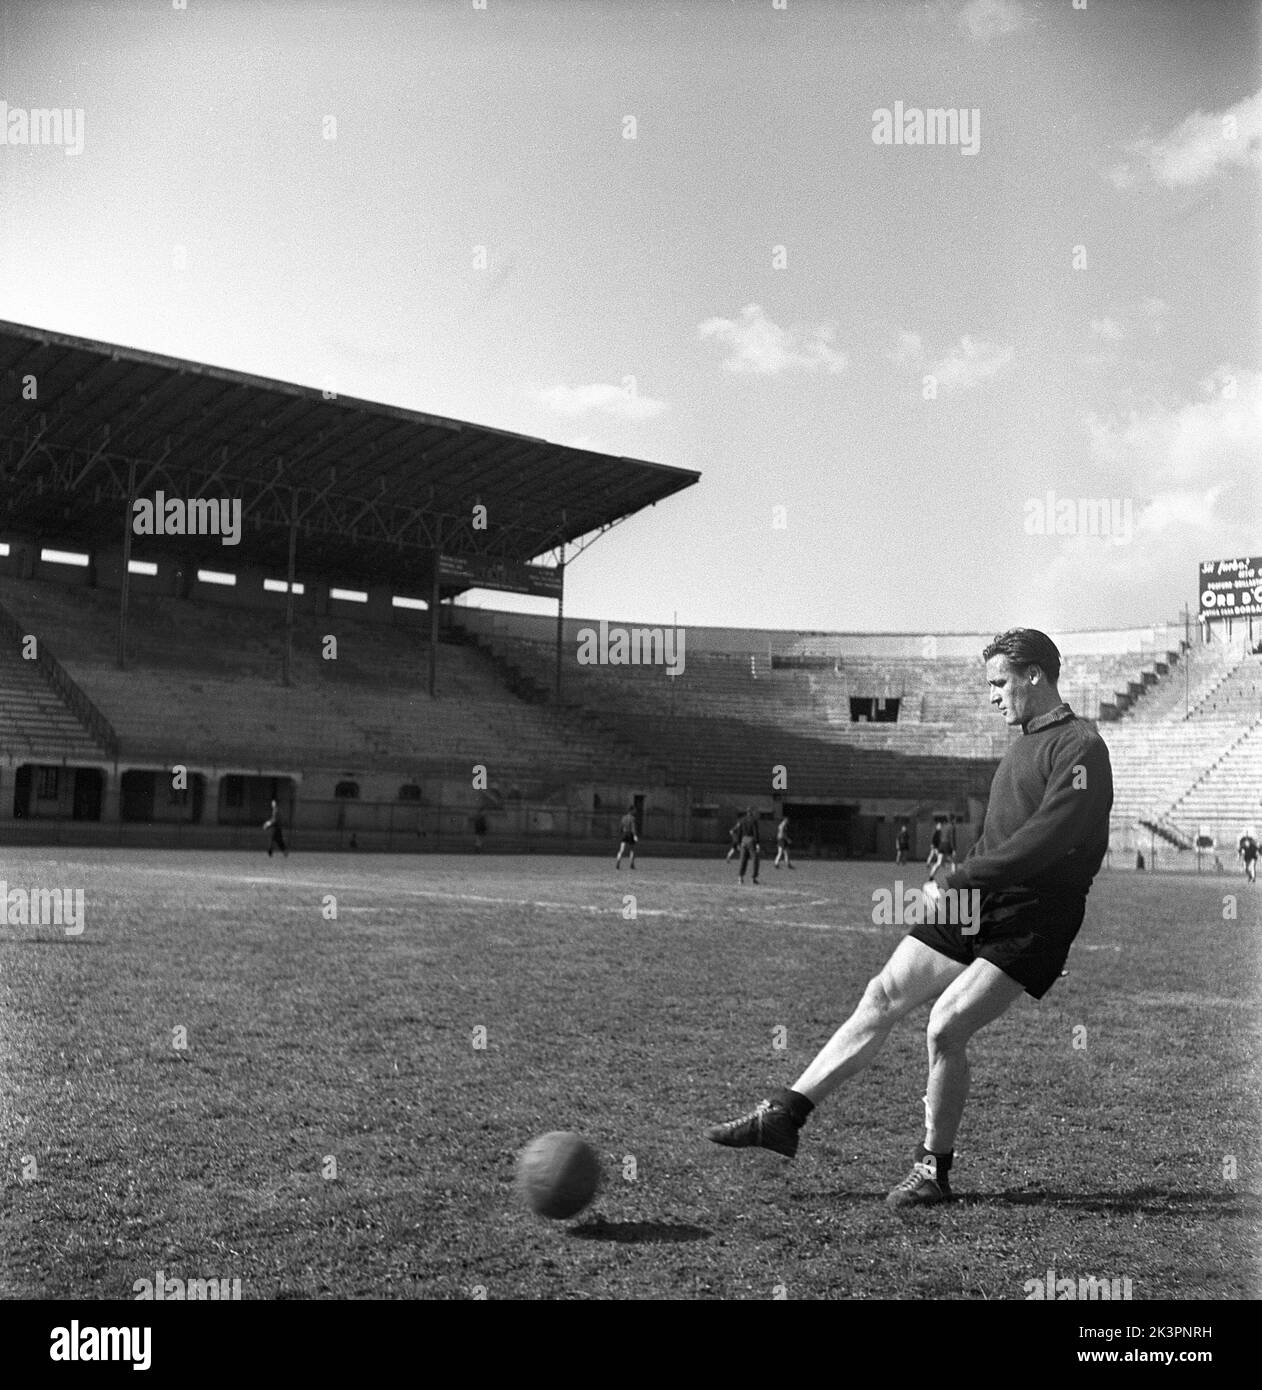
[{"x": 340, "y": 1114}]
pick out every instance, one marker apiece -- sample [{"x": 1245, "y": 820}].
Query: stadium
[
  {"x": 475, "y": 480},
  {"x": 332, "y": 668},
  {"x": 156, "y": 697}
]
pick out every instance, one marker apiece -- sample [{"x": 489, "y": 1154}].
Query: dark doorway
[
  {"x": 135, "y": 795},
  {"x": 823, "y": 830},
  {"x": 22, "y": 792},
  {"x": 88, "y": 784}
]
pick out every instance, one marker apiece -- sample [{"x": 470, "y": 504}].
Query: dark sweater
[{"x": 1047, "y": 821}]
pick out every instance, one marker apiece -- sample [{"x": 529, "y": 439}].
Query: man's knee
[
  {"x": 882, "y": 1001},
  {"x": 948, "y": 1032}
]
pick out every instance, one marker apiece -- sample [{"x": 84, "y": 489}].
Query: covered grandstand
[{"x": 164, "y": 687}]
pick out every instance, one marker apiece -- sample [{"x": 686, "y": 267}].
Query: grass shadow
[
  {"x": 1154, "y": 1201},
  {"x": 638, "y": 1232}
]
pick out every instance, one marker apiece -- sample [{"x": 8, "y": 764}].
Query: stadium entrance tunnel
[
  {"x": 54, "y": 791},
  {"x": 166, "y": 796},
  {"x": 828, "y": 829},
  {"x": 247, "y": 800}
]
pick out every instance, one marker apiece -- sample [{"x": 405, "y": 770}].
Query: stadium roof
[{"x": 377, "y": 489}]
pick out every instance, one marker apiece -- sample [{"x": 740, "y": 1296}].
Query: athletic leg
[
  {"x": 913, "y": 975},
  {"x": 977, "y": 997}
]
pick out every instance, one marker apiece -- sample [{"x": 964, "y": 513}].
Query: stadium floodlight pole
[
  {"x": 287, "y": 673},
  {"x": 128, "y": 513}
]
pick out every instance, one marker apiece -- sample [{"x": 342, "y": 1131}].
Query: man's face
[{"x": 1011, "y": 690}]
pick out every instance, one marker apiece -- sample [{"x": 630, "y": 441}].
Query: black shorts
[
  {"x": 1025, "y": 934},
  {"x": 628, "y": 842}
]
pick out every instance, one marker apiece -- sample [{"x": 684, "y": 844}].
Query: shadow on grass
[
  {"x": 1154, "y": 1201},
  {"x": 52, "y": 941},
  {"x": 638, "y": 1232}
]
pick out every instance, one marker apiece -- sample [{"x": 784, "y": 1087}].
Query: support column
[
  {"x": 435, "y": 594},
  {"x": 287, "y": 674},
  {"x": 210, "y": 798},
  {"x": 111, "y": 796},
  {"x": 560, "y": 621},
  {"x": 125, "y": 587}
]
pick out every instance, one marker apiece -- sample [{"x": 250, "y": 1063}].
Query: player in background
[
  {"x": 734, "y": 842},
  {"x": 747, "y": 829},
  {"x": 629, "y": 838},
  {"x": 946, "y": 846},
  {"x": 934, "y": 861},
  {"x": 782, "y": 844},
  {"x": 902, "y": 844},
  {"x": 275, "y": 824},
  {"x": 1247, "y": 853},
  {"x": 1043, "y": 840}
]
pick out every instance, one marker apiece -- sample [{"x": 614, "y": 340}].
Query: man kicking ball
[{"x": 1044, "y": 837}]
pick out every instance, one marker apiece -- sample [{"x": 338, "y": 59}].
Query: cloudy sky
[{"x": 716, "y": 235}]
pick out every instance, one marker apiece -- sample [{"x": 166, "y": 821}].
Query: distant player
[
  {"x": 277, "y": 839},
  {"x": 1247, "y": 853},
  {"x": 747, "y": 830},
  {"x": 902, "y": 844},
  {"x": 946, "y": 846},
  {"x": 734, "y": 842},
  {"x": 934, "y": 860},
  {"x": 629, "y": 838},
  {"x": 783, "y": 842},
  {"x": 1044, "y": 838}
]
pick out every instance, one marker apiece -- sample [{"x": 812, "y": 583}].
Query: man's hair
[{"x": 1027, "y": 646}]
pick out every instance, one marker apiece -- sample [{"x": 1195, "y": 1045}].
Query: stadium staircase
[
  {"x": 1191, "y": 754},
  {"x": 43, "y": 713}
]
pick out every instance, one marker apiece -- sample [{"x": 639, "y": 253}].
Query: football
[{"x": 558, "y": 1174}]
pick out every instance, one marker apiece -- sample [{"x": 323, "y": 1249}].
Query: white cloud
[
  {"x": 757, "y": 345},
  {"x": 1187, "y": 469},
  {"x": 1187, "y": 508},
  {"x": 1107, "y": 328},
  {"x": 622, "y": 401},
  {"x": 984, "y": 20},
  {"x": 1216, "y": 439},
  {"x": 1202, "y": 146},
  {"x": 910, "y": 350},
  {"x": 970, "y": 361}
]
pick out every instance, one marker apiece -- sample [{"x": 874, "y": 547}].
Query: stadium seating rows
[
  {"x": 203, "y": 684},
  {"x": 33, "y": 719}
]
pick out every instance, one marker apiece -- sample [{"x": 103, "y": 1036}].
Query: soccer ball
[{"x": 558, "y": 1174}]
